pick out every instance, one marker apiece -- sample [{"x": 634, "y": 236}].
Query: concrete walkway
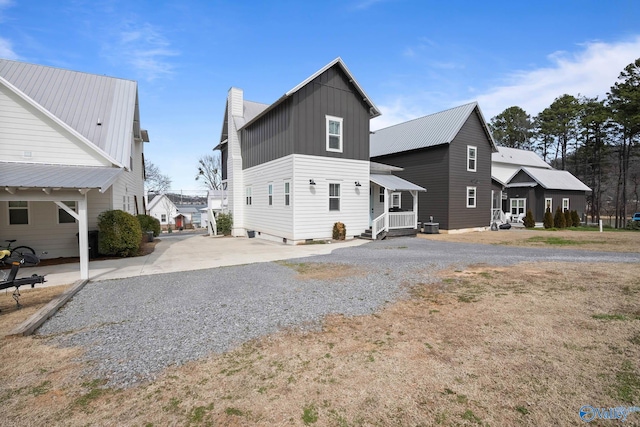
[{"x": 183, "y": 253}]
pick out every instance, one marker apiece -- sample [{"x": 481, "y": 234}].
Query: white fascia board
[{"x": 60, "y": 123}]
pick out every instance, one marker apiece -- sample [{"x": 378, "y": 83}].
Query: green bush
[
  {"x": 120, "y": 234},
  {"x": 559, "y": 220},
  {"x": 149, "y": 223},
  {"x": 339, "y": 231},
  {"x": 548, "y": 219},
  {"x": 633, "y": 225},
  {"x": 575, "y": 218},
  {"x": 224, "y": 223},
  {"x": 529, "y": 222},
  {"x": 568, "y": 219}
]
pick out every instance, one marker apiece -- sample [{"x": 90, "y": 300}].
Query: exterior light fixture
[
  {"x": 312, "y": 182},
  {"x": 358, "y": 184}
]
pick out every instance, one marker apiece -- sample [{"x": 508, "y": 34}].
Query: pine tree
[
  {"x": 558, "y": 219},
  {"x": 548, "y": 219},
  {"x": 568, "y": 220},
  {"x": 575, "y": 218},
  {"x": 529, "y": 222}
]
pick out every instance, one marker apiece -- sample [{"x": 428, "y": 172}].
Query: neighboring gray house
[
  {"x": 294, "y": 168},
  {"x": 523, "y": 181},
  {"x": 71, "y": 147},
  {"x": 449, "y": 153}
]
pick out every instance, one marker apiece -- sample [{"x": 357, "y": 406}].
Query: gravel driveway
[{"x": 134, "y": 328}]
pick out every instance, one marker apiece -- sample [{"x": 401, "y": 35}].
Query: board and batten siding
[
  {"x": 28, "y": 135},
  {"x": 297, "y": 125},
  {"x": 427, "y": 168},
  {"x": 461, "y": 217}
]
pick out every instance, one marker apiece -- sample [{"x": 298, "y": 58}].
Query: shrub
[
  {"x": 149, "y": 223},
  {"x": 568, "y": 219},
  {"x": 633, "y": 225},
  {"x": 548, "y": 219},
  {"x": 120, "y": 234},
  {"x": 529, "y": 222},
  {"x": 558, "y": 219},
  {"x": 339, "y": 231},
  {"x": 575, "y": 218},
  {"x": 224, "y": 223}
]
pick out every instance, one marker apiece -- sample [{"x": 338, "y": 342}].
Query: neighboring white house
[
  {"x": 71, "y": 147},
  {"x": 162, "y": 208}
]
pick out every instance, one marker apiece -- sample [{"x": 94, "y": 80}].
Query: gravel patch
[{"x": 132, "y": 329}]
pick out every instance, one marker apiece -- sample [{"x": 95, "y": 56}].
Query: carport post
[{"x": 83, "y": 229}]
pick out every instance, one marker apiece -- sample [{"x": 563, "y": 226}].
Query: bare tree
[
  {"x": 210, "y": 171},
  {"x": 154, "y": 180}
]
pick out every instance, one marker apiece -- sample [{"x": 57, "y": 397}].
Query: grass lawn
[{"x": 520, "y": 345}]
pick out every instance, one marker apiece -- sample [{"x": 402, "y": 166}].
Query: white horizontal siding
[
  {"x": 24, "y": 129},
  {"x": 130, "y": 184},
  {"x": 313, "y": 219},
  {"x": 276, "y": 220}
]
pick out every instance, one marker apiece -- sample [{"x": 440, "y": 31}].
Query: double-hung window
[
  {"x": 334, "y": 134},
  {"x": 471, "y": 197},
  {"x": 270, "y": 193},
  {"x": 396, "y": 200},
  {"x": 472, "y": 158},
  {"x": 382, "y": 190},
  {"x": 18, "y": 213},
  {"x": 64, "y": 217},
  {"x": 334, "y": 197},
  {"x": 548, "y": 204},
  {"x": 248, "y": 196},
  {"x": 565, "y": 205},
  {"x": 287, "y": 193}
]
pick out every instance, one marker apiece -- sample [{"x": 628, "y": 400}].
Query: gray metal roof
[
  {"x": 428, "y": 131},
  {"x": 515, "y": 156},
  {"x": 250, "y": 110},
  {"x": 394, "y": 183},
  {"x": 100, "y": 108},
  {"x": 34, "y": 175},
  {"x": 552, "y": 179}
]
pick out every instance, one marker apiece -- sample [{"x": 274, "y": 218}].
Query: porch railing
[
  {"x": 498, "y": 216},
  {"x": 402, "y": 220},
  {"x": 377, "y": 226}
]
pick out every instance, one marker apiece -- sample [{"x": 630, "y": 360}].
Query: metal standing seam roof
[
  {"x": 519, "y": 157},
  {"x": 552, "y": 179},
  {"x": 250, "y": 110},
  {"x": 34, "y": 175},
  {"x": 428, "y": 131},
  {"x": 99, "y": 108},
  {"x": 394, "y": 183}
]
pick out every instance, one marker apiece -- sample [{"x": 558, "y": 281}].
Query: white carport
[{"x": 58, "y": 184}]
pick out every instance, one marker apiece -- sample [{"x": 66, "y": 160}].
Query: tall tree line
[{"x": 596, "y": 140}]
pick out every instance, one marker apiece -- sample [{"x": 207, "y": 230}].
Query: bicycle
[{"x": 15, "y": 253}]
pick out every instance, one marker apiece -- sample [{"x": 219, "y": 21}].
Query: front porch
[{"x": 391, "y": 214}]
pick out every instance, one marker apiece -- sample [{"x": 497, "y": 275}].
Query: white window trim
[
  {"x": 73, "y": 208},
  {"x": 339, "y": 197},
  {"x": 399, "y": 199},
  {"x": 248, "y": 195},
  {"x": 550, "y": 200},
  {"x": 475, "y": 197},
  {"x": 381, "y": 194},
  {"x": 475, "y": 158},
  {"x": 339, "y": 120},
  {"x": 567, "y": 204},
  {"x": 284, "y": 189},
  {"x": 270, "y": 194},
  {"x": 163, "y": 221},
  {"x": 9, "y": 208},
  {"x": 524, "y": 205}
]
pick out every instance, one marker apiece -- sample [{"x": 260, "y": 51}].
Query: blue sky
[{"x": 412, "y": 57}]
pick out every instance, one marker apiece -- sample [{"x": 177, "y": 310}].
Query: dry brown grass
[
  {"x": 608, "y": 241},
  {"x": 483, "y": 346}
]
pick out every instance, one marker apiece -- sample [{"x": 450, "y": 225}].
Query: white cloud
[
  {"x": 145, "y": 49},
  {"x": 6, "y": 49},
  {"x": 589, "y": 72}
]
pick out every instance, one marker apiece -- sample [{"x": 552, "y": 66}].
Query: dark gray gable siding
[
  {"x": 427, "y": 168},
  {"x": 473, "y": 134},
  {"x": 224, "y": 156},
  {"x": 298, "y": 124}
]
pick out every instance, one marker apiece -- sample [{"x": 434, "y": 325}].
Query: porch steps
[{"x": 391, "y": 233}]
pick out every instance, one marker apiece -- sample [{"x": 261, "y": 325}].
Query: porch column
[
  {"x": 414, "y": 194},
  {"x": 83, "y": 229},
  {"x": 386, "y": 209}
]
